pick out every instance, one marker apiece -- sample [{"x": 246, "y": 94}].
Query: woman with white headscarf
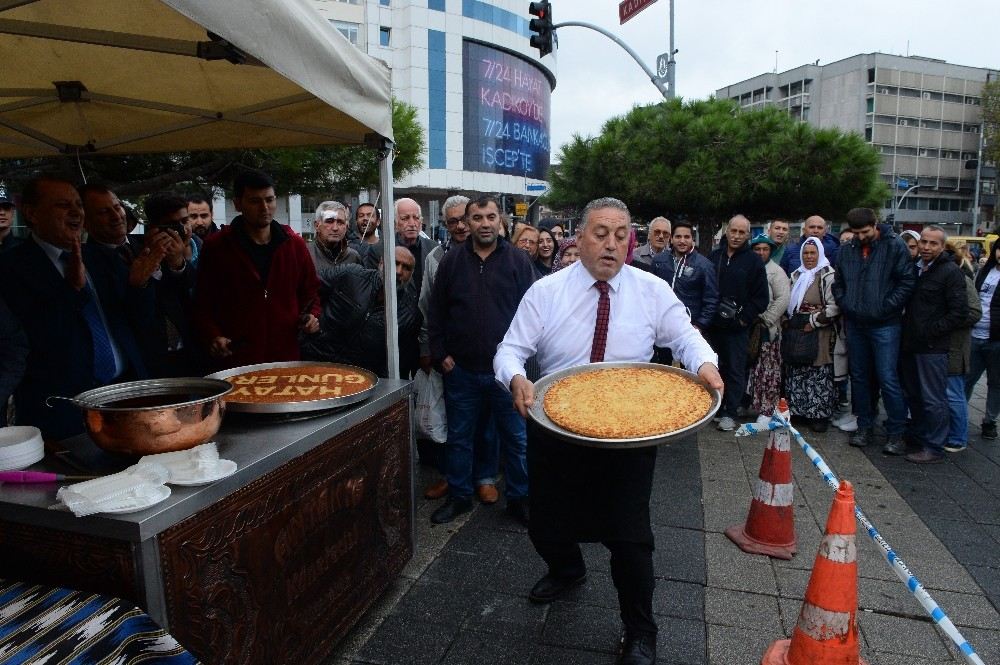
[{"x": 809, "y": 385}]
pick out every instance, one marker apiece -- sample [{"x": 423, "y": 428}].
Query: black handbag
[
  {"x": 799, "y": 347},
  {"x": 728, "y": 313},
  {"x": 759, "y": 335}
]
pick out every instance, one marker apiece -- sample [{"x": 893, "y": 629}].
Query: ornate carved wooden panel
[
  {"x": 278, "y": 571},
  {"x": 60, "y": 558}
]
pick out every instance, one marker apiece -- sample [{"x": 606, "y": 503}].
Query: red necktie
[{"x": 601, "y": 325}]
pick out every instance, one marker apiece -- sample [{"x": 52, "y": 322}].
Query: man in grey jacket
[{"x": 658, "y": 241}]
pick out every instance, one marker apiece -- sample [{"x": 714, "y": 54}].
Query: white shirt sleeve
[
  {"x": 521, "y": 340},
  {"x": 674, "y": 330}
]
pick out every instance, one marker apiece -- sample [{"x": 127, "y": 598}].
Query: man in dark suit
[
  {"x": 72, "y": 307},
  {"x": 13, "y": 357}
]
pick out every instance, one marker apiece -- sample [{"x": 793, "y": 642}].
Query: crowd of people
[
  {"x": 906, "y": 320},
  {"x": 901, "y": 319}
]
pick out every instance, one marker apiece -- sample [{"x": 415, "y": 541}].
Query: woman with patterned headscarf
[
  {"x": 809, "y": 386},
  {"x": 568, "y": 253}
]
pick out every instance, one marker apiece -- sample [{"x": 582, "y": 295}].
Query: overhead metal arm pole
[
  {"x": 897, "y": 204},
  {"x": 628, "y": 49}
]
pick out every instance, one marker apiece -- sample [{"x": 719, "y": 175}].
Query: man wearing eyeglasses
[
  {"x": 330, "y": 248},
  {"x": 659, "y": 240}
]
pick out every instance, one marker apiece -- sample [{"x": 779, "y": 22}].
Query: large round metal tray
[
  {"x": 537, "y": 411},
  {"x": 296, "y": 407}
]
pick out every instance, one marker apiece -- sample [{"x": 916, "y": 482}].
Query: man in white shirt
[{"x": 583, "y": 494}]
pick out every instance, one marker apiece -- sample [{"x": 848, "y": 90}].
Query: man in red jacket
[{"x": 257, "y": 287}]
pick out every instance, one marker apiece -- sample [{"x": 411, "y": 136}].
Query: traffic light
[{"x": 541, "y": 27}]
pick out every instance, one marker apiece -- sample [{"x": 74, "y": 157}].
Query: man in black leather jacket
[
  {"x": 743, "y": 295},
  {"x": 938, "y": 307}
]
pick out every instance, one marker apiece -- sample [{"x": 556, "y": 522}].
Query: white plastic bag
[{"x": 432, "y": 421}]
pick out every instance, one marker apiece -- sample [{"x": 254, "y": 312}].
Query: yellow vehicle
[{"x": 982, "y": 242}]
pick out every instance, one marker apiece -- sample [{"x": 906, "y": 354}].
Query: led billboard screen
[{"x": 506, "y": 103}]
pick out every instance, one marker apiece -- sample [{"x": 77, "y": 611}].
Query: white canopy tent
[{"x": 133, "y": 76}]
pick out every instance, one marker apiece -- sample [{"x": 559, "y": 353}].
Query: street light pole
[
  {"x": 671, "y": 63},
  {"x": 979, "y": 170}
]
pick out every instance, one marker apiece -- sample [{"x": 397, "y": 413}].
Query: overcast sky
[{"x": 726, "y": 41}]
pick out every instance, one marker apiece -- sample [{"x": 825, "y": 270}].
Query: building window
[
  {"x": 383, "y": 36},
  {"x": 349, "y": 2},
  {"x": 349, "y": 30},
  {"x": 955, "y": 99},
  {"x": 384, "y": 3}
]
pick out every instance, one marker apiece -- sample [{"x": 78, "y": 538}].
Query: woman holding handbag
[{"x": 807, "y": 342}]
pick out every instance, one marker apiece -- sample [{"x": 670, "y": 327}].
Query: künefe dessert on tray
[
  {"x": 626, "y": 403},
  {"x": 302, "y": 383}
]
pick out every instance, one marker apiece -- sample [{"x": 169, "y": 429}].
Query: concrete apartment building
[
  {"x": 481, "y": 93},
  {"x": 922, "y": 115}
]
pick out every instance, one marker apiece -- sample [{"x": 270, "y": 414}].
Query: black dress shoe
[
  {"x": 819, "y": 425},
  {"x": 550, "y": 588},
  {"x": 451, "y": 509},
  {"x": 518, "y": 509},
  {"x": 637, "y": 649}
]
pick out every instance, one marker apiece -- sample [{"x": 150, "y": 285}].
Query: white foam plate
[
  {"x": 223, "y": 469},
  {"x": 160, "y": 494},
  {"x": 20, "y": 447}
]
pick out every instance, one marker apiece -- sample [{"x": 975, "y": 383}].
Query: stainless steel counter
[
  {"x": 316, "y": 522},
  {"x": 258, "y": 445}
]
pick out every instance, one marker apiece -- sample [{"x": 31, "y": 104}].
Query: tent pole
[{"x": 389, "y": 256}]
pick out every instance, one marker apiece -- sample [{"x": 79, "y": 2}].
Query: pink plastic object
[{"x": 30, "y": 477}]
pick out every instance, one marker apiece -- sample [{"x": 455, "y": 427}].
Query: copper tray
[
  {"x": 537, "y": 411},
  {"x": 296, "y": 407}
]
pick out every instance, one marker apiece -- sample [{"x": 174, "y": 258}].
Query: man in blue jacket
[
  {"x": 872, "y": 286},
  {"x": 690, "y": 274},
  {"x": 813, "y": 227},
  {"x": 476, "y": 291}
]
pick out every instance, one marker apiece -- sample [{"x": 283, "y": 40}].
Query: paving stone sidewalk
[{"x": 463, "y": 598}]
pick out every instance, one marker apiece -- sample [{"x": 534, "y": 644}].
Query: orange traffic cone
[
  {"x": 827, "y": 630},
  {"x": 770, "y": 526}
]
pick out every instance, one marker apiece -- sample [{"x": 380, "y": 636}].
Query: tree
[
  {"x": 706, "y": 160},
  {"x": 327, "y": 170},
  {"x": 991, "y": 122}
]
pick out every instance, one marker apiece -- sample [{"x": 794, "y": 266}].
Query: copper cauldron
[{"x": 155, "y": 415}]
